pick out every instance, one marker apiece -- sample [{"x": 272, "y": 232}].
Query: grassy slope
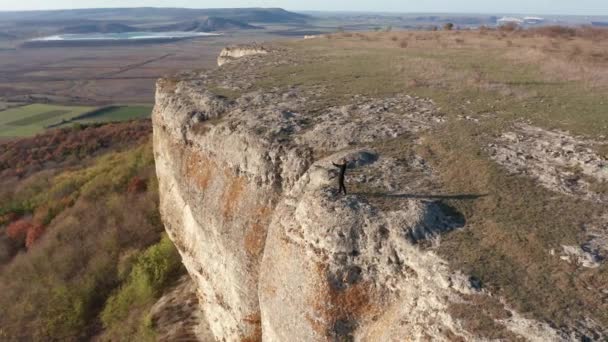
[
  {"x": 512, "y": 230},
  {"x": 98, "y": 218}
]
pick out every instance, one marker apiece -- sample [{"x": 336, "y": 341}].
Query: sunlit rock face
[{"x": 248, "y": 195}]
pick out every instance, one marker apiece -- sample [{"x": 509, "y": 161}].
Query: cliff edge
[{"x": 248, "y": 195}]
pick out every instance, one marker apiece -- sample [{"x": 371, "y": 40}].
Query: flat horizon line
[{"x": 387, "y": 12}]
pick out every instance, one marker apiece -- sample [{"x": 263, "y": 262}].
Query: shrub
[
  {"x": 8, "y": 217},
  {"x": 508, "y": 27},
  {"x": 68, "y": 145},
  {"x": 33, "y": 234},
  {"x": 137, "y": 185},
  {"x": 153, "y": 271},
  {"x": 57, "y": 290},
  {"x": 18, "y": 230},
  {"x": 555, "y": 31}
]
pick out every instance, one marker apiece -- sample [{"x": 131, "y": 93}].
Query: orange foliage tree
[
  {"x": 25, "y": 231},
  {"x": 33, "y": 235},
  {"x": 137, "y": 185},
  {"x": 18, "y": 229}
]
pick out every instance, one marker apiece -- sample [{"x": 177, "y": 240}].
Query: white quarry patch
[
  {"x": 230, "y": 54},
  {"x": 558, "y": 161}
]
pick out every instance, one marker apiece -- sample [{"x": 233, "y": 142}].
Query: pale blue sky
[{"x": 597, "y": 7}]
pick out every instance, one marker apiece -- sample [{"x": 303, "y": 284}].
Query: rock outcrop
[
  {"x": 562, "y": 163},
  {"x": 247, "y": 194},
  {"x": 232, "y": 53},
  {"x": 557, "y": 160}
]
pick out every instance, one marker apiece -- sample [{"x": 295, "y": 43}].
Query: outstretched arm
[{"x": 334, "y": 164}]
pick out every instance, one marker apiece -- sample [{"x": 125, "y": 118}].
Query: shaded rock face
[{"x": 248, "y": 195}]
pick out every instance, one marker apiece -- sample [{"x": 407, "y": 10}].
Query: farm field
[
  {"x": 115, "y": 113},
  {"x": 106, "y": 75},
  {"x": 32, "y": 119},
  {"x": 35, "y": 118}
]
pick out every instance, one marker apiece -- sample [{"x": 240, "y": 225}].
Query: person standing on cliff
[{"x": 342, "y": 168}]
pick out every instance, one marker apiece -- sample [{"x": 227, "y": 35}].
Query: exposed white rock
[
  {"x": 232, "y": 53},
  {"x": 557, "y": 160},
  {"x": 367, "y": 120},
  {"x": 563, "y": 163},
  {"x": 274, "y": 253},
  {"x": 579, "y": 256}
]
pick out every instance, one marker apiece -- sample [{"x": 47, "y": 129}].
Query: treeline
[{"x": 73, "y": 144}]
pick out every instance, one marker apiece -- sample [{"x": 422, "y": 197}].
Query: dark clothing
[{"x": 342, "y": 168}]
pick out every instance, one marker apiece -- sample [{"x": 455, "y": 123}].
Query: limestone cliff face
[{"x": 248, "y": 196}]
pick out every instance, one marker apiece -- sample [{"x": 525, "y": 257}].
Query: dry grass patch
[
  {"x": 478, "y": 314},
  {"x": 484, "y": 87},
  {"x": 512, "y": 231}
]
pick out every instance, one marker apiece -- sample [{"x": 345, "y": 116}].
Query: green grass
[
  {"x": 116, "y": 113},
  {"x": 152, "y": 272},
  {"x": 32, "y": 119}
]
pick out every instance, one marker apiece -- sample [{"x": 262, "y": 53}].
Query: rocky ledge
[
  {"x": 249, "y": 197},
  {"x": 232, "y": 53}
]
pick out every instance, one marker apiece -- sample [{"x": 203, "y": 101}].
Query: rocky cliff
[
  {"x": 232, "y": 53},
  {"x": 249, "y": 197}
]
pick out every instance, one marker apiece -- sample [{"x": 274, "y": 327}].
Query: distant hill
[
  {"x": 247, "y": 15},
  {"x": 207, "y": 25},
  {"x": 99, "y": 28},
  {"x": 6, "y": 36}
]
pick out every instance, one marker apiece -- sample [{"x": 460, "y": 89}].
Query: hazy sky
[{"x": 598, "y": 7}]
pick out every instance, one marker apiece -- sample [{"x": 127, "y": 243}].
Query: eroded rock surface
[
  {"x": 562, "y": 163},
  {"x": 232, "y": 53},
  {"x": 557, "y": 160},
  {"x": 247, "y": 193}
]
